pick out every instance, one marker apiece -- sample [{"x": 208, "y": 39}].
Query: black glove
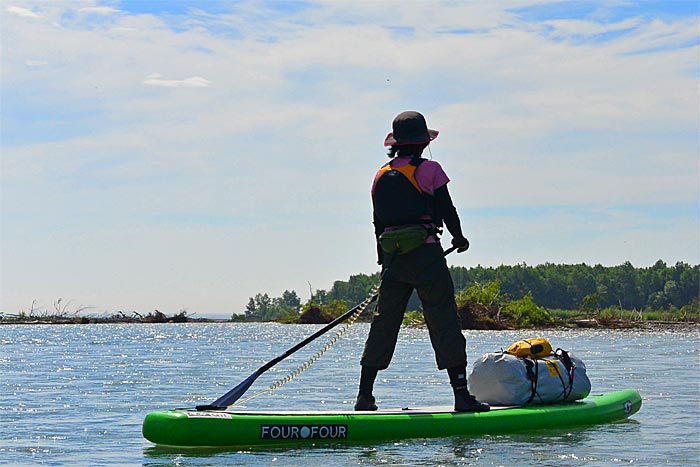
[{"x": 461, "y": 243}]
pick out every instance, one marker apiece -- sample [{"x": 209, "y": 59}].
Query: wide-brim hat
[{"x": 409, "y": 128}]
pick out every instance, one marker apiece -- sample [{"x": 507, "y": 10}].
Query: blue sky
[{"x": 190, "y": 154}]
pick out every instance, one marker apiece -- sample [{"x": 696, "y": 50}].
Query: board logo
[
  {"x": 303, "y": 431},
  {"x": 627, "y": 407}
]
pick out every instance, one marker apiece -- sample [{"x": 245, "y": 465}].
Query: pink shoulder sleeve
[{"x": 430, "y": 176}]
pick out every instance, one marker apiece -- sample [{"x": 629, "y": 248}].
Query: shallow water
[{"x": 77, "y": 394}]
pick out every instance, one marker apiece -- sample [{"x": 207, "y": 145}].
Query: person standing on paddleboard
[{"x": 411, "y": 204}]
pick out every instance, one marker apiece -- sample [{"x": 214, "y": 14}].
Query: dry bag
[{"x": 501, "y": 379}]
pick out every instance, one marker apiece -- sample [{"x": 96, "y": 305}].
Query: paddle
[{"x": 234, "y": 394}]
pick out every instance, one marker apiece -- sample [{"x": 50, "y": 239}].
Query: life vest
[{"x": 399, "y": 200}]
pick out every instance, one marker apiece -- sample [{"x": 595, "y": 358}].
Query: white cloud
[
  {"x": 35, "y": 63},
  {"x": 22, "y": 12},
  {"x": 571, "y": 27},
  {"x": 282, "y": 149},
  {"x": 99, "y": 10},
  {"x": 658, "y": 35},
  {"x": 193, "y": 82},
  {"x": 572, "y": 237}
]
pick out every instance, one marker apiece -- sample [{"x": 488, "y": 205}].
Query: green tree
[
  {"x": 290, "y": 299},
  {"x": 487, "y": 295},
  {"x": 691, "y": 311},
  {"x": 673, "y": 293},
  {"x": 625, "y": 282},
  {"x": 689, "y": 282},
  {"x": 657, "y": 301},
  {"x": 551, "y": 286},
  {"x": 334, "y": 308},
  {"x": 590, "y": 304},
  {"x": 525, "y": 313},
  {"x": 258, "y": 307}
]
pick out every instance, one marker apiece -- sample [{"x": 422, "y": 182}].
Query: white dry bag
[{"x": 501, "y": 379}]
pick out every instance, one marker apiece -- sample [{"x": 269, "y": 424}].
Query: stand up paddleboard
[
  {"x": 217, "y": 425},
  {"x": 203, "y": 428}
]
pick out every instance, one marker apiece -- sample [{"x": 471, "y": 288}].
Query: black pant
[{"x": 425, "y": 270}]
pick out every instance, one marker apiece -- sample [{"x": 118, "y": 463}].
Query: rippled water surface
[{"x": 77, "y": 394}]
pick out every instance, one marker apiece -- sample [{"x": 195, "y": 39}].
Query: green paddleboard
[{"x": 185, "y": 428}]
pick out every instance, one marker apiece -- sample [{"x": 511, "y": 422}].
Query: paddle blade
[{"x": 233, "y": 395}]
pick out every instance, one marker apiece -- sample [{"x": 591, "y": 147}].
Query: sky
[{"x": 189, "y": 154}]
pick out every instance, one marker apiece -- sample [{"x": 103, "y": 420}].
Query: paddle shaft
[{"x": 234, "y": 394}]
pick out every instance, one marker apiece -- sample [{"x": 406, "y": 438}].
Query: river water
[{"x": 77, "y": 394}]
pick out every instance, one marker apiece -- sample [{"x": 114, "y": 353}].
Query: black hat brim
[{"x": 391, "y": 141}]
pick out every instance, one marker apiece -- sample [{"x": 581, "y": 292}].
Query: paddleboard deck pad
[{"x": 190, "y": 428}]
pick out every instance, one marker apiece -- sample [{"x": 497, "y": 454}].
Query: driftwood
[{"x": 62, "y": 315}]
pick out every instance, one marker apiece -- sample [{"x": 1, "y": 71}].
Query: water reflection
[
  {"x": 78, "y": 394},
  {"x": 543, "y": 447}
]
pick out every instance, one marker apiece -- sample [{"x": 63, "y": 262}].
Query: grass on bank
[
  {"x": 484, "y": 306},
  {"x": 480, "y": 306}
]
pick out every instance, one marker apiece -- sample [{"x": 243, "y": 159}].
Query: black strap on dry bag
[
  {"x": 533, "y": 374},
  {"x": 532, "y": 368},
  {"x": 563, "y": 356}
]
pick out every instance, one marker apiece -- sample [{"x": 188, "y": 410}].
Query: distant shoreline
[{"x": 573, "y": 325}]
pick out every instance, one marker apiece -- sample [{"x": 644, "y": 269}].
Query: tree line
[{"x": 552, "y": 286}]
